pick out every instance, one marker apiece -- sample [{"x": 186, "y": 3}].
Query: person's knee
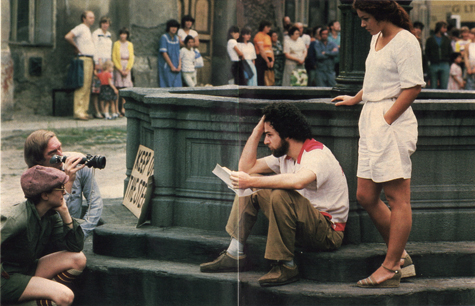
[
  {"x": 79, "y": 261},
  {"x": 365, "y": 199},
  {"x": 278, "y": 194},
  {"x": 64, "y": 296}
]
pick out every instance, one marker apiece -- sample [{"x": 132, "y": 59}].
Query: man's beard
[{"x": 282, "y": 149}]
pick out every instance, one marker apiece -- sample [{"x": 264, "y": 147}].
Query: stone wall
[{"x": 7, "y": 65}]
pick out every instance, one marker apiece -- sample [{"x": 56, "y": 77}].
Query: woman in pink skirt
[{"x": 123, "y": 58}]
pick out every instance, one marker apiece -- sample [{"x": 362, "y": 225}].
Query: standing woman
[
  {"x": 265, "y": 54},
  {"x": 186, "y": 24},
  {"x": 103, "y": 43},
  {"x": 169, "y": 62},
  {"x": 123, "y": 59},
  {"x": 295, "y": 53},
  {"x": 388, "y": 132},
  {"x": 235, "y": 55},
  {"x": 249, "y": 54}
]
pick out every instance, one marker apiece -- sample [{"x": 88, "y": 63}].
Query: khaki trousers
[
  {"x": 82, "y": 94},
  {"x": 292, "y": 220}
]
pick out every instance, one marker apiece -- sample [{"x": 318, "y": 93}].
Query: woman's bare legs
[{"x": 393, "y": 224}]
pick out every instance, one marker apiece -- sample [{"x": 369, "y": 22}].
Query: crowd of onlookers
[
  {"x": 448, "y": 57},
  {"x": 107, "y": 67},
  {"x": 305, "y": 58}
]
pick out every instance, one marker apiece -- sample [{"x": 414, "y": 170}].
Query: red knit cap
[{"x": 40, "y": 179}]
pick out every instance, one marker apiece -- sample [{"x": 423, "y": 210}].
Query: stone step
[
  {"x": 193, "y": 246},
  {"x": 114, "y": 281}
]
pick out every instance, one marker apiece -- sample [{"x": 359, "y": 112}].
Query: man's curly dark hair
[{"x": 288, "y": 121}]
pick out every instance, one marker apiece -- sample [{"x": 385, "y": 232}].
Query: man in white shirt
[
  {"x": 306, "y": 200},
  {"x": 81, "y": 39}
]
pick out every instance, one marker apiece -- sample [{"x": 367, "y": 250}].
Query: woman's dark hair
[
  {"x": 288, "y": 121},
  {"x": 172, "y": 23},
  {"x": 418, "y": 25},
  {"x": 271, "y": 32},
  {"x": 292, "y": 31},
  {"x": 385, "y": 10},
  {"x": 124, "y": 30},
  {"x": 244, "y": 31},
  {"x": 105, "y": 19},
  {"x": 264, "y": 24},
  {"x": 185, "y": 19},
  {"x": 232, "y": 29},
  {"x": 454, "y": 55},
  {"x": 187, "y": 39}
]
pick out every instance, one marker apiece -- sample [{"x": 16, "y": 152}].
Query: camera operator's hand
[{"x": 71, "y": 167}]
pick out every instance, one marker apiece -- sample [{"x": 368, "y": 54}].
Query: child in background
[
  {"x": 108, "y": 92},
  {"x": 187, "y": 55},
  {"x": 456, "y": 81}
]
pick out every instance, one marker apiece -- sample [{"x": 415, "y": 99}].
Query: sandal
[
  {"x": 393, "y": 282},
  {"x": 408, "y": 269},
  {"x": 98, "y": 116}
]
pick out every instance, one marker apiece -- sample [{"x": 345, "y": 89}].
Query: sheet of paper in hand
[{"x": 223, "y": 173}]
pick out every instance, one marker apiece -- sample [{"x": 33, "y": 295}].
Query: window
[{"x": 32, "y": 21}]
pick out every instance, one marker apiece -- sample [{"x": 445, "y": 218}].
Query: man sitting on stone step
[
  {"x": 31, "y": 228},
  {"x": 40, "y": 146},
  {"x": 305, "y": 200}
]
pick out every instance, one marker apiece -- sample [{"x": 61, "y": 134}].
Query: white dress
[
  {"x": 249, "y": 53},
  {"x": 384, "y": 150}
]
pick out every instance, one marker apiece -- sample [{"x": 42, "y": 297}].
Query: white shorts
[{"x": 384, "y": 150}]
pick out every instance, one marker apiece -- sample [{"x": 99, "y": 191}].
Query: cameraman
[
  {"x": 28, "y": 229},
  {"x": 40, "y": 146}
]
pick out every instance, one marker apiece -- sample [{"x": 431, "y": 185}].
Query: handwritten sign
[{"x": 139, "y": 189}]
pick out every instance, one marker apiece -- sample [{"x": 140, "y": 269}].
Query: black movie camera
[{"x": 95, "y": 161}]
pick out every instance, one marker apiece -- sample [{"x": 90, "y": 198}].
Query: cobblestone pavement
[{"x": 96, "y": 137}]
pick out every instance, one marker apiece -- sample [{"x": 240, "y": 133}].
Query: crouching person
[
  {"x": 27, "y": 229},
  {"x": 305, "y": 200}
]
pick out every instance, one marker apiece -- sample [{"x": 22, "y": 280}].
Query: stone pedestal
[{"x": 191, "y": 130}]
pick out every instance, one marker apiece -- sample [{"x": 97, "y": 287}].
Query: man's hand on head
[{"x": 259, "y": 128}]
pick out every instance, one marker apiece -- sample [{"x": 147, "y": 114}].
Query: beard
[{"x": 282, "y": 149}]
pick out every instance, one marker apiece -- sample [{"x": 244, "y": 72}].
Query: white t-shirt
[
  {"x": 295, "y": 47},
  {"x": 306, "y": 39},
  {"x": 231, "y": 52},
  {"x": 247, "y": 50},
  {"x": 83, "y": 39},
  {"x": 396, "y": 67},
  {"x": 187, "y": 59},
  {"x": 182, "y": 34},
  {"x": 471, "y": 54},
  {"x": 103, "y": 44},
  {"x": 329, "y": 193}
]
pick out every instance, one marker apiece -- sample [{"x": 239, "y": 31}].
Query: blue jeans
[{"x": 439, "y": 72}]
